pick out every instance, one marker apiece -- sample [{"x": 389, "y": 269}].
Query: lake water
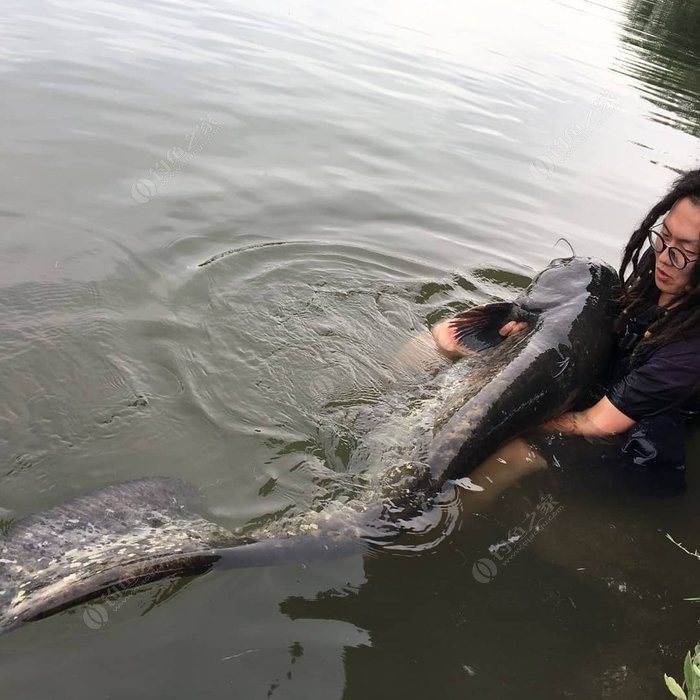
[{"x": 220, "y": 223}]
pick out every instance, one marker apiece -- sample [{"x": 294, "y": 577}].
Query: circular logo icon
[
  {"x": 95, "y": 617},
  {"x": 143, "y": 190},
  {"x": 484, "y": 570},
  {"x": 541, "y": 168}
]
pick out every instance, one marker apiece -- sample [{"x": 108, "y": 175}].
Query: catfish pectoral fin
[{"x": 478, "y": 328}]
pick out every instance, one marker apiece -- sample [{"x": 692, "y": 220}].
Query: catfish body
[{"x": 528, "y": 378}]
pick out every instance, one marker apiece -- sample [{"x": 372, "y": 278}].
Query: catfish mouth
[{"x": 555, "y": 285}]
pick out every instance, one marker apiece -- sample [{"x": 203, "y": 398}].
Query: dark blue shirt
[
  {"x": 667, "y": 381},
  {"x": 657, "y": 391}
]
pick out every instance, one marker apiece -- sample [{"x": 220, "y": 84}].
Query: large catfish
[{"x": 147, "y": 529}]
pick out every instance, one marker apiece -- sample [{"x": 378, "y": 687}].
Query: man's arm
[{"x": 600, "y": 420}]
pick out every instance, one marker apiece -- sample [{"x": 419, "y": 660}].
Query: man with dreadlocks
[{"x": 655, "y": 374}]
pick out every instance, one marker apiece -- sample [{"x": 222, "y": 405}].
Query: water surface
[{"x": 219, "y": 225}]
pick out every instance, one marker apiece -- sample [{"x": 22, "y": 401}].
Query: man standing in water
[{"x": 654, "y": 380}]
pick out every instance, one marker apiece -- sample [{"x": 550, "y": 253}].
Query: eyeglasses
[{"x": 677, "y": 257}]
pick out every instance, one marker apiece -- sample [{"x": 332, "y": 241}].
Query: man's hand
[
  {"x": 446, "y": 340},
  {"x": 447, "y": 343}
]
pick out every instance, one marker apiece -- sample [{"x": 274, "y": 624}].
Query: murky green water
[{"x": 349, "y": 174}]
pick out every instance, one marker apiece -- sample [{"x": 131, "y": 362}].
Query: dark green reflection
[{"x": 665, "y": 56}]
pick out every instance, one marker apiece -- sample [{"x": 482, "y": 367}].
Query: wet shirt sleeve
[{"x": 669, "y": 379}]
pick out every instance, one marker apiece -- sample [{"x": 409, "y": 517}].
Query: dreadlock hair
[{"x": 638, "y": 286}]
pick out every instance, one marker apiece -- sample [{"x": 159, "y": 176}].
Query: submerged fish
[{"x": 148, "y": 529}]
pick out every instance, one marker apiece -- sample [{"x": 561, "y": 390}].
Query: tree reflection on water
[{"x": 660, "y": 39}]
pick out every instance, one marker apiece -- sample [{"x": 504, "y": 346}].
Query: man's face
[{"x": 681, "y": 229}]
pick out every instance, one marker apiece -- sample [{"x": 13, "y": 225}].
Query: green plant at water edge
[
  {"x": 5, "y": 524},
  {"x": 691, "y": 667},
  {"x": 691, "y": 672},
  {"x": 695, "y": 554}
]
